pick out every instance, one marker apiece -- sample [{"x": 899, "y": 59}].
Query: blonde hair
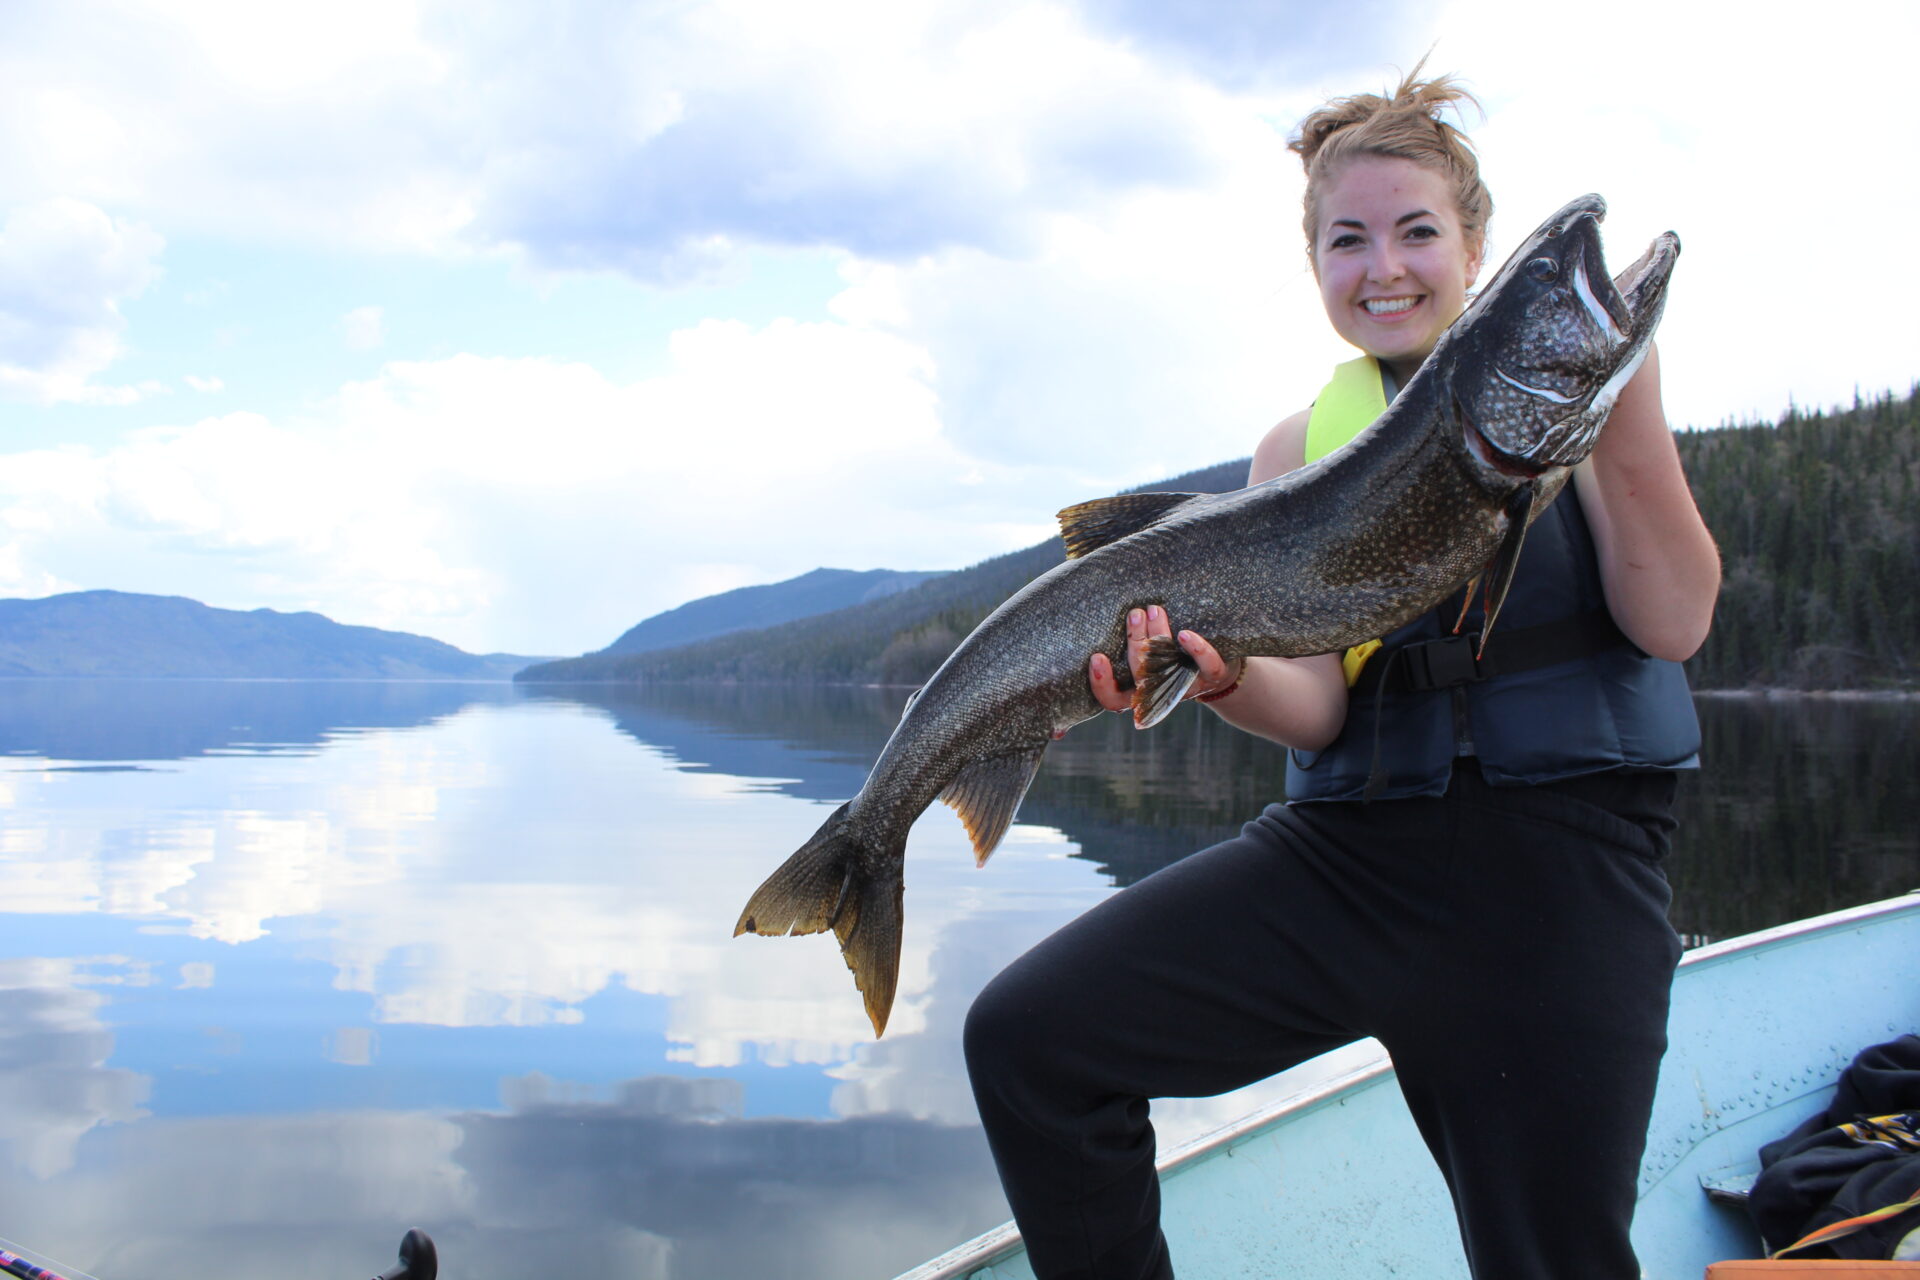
[{"x": 1404, "y": 126}]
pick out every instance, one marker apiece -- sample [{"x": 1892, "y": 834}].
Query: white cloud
[
  {"x": 208, "y": 386},
  {"x": 65, "y": 267},
  {"x": 1071, "y": 261},
  {"x": 364, "y": 328},
  {"x": 526, "y": 504},
  {"x": 654, "y": 141}
]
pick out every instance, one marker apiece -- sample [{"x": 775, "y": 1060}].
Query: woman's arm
[
  {"x": 1298, "y": 702},
  {"x": 1658, "y": 563}
]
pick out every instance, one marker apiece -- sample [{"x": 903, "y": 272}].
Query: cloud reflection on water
[
  {"x": 502, "y": 866},
  {"x": 55, "y": 1084}
]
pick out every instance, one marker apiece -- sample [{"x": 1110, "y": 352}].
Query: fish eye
[{"x": 1545, "y": 270}]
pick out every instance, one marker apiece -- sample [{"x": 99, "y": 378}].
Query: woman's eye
[
  {"x": 1422, "y": 233},
  {"x": 1346, "y": 241}
]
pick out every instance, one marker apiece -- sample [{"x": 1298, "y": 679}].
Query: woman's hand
[
  {"x": 1217, "y": 675},
  {"x": 1658, "y": 563}
]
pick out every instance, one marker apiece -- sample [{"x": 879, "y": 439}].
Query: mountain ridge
[
  {"x": 125, "y": 633},
  {"x": 764, "y": 605},
  {"x": 899, "y": 639}
]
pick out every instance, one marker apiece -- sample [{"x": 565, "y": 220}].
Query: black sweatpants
[{"x": 1509, "y": 946}]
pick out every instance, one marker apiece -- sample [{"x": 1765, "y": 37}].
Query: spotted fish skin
[{"x": 1439, "y": 490}]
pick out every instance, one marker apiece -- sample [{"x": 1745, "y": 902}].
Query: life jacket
[{"x": 1567, "y": 694}]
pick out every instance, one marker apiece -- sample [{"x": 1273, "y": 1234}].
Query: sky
[{"x": 515, "y": 324}]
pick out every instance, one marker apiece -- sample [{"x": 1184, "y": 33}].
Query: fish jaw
[{"x": 1537, "y": 362}]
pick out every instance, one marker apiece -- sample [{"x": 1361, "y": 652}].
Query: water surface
[{"x": 288, "y": 967}]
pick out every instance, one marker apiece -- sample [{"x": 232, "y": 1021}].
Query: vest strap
[{"x": 1425, "y": 665}]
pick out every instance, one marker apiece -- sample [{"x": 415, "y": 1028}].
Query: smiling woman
[{"x": 1474, "y": 829}]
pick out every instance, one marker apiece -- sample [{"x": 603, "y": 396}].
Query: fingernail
[
  {"x": 1136, "y": 618},
  {"x": 1156, "y": 613}
]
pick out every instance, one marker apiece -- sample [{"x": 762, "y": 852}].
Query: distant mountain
[
  {"x": 898, "y": 639},
  {"x": 119, "y": 633},
  {"x": 822, "y": 591}
]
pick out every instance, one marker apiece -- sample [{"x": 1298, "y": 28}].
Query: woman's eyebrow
[{"x": 1400, "y": 221}]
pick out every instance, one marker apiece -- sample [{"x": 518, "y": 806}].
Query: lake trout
[{"x": 1437, "y": 492}]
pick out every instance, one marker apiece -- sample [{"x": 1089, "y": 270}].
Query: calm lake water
[{"x": 286, "y": 968}]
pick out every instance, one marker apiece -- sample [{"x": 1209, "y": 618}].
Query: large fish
[{"x": 1439, "y": 490}]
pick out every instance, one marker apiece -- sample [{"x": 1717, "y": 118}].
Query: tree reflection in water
[{"x": 1803, "y": 804}]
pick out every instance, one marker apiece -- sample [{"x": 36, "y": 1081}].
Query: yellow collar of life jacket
[{"x": 1345, "y": 406}]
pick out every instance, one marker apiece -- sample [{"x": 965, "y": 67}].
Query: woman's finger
[
  {"x": 1105, "y": 690},
  {"x": 1217, "y": 674},
  {"x": 1213, "y": 667},
  {"x": 1136, "y": 640}
]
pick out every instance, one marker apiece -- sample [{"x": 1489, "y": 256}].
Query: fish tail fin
[
  {"x": 1170, "y": 672},
  {"x": 828, "y": 884}
]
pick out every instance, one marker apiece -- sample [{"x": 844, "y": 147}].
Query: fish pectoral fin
[
  {"x": 829, "y": 884},
  {"x": 987, "y": 794},
  {"x": 1088, "y": 526},
  {"x": 1499, "y": 575},
  {"x": 1170, "y": 672},
  {"x": 1466, "y": 603}
]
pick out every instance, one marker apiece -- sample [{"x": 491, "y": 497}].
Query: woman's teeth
[{"x": 1388, "y": 306}]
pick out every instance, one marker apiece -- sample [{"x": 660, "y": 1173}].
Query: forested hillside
[
  {"x": 897, "y": 640},
  {"x": 1817, "y": 517},
  {"x": 1818, "y": 521},
  {"x": 750, "y": 608}
]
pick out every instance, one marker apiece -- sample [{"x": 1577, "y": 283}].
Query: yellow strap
[
  {"x": 1846, "y": 1227},
  {"x": 1355, "y": 661}
]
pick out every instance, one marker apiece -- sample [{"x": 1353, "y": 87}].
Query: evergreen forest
[
  {"x": 1818, "y": 521},
  {"x": 1817, "y": 517}
]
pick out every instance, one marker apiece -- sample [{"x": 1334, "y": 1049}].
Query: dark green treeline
[
  {"x": 1818, "y": 520},
  {"x": 1817, "y": 517}
]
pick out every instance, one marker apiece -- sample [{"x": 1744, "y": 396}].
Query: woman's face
[{"x": 1393, "y": 261}]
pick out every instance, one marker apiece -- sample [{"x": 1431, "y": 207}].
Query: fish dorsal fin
[
  {"x": 987, "y": 793},
  {"x": 1170, "y": 672},
  {"x": 1088, "y": 526}
]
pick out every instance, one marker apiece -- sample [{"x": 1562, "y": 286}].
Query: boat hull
[{"x": 1335, "y": 1182}]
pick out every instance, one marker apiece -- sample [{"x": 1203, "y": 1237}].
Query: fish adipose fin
[
  {"x": 1088, "y": 526},
  {"x": 1170, "y": 672},
  {"x": 1499, "y": 575},
  {"x": 988, "y": 793},
  {"x": 826, "y": 886}
]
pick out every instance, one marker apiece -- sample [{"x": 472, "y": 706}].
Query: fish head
[{"x": 1535, "y": 363}]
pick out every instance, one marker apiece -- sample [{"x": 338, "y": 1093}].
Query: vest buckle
[{"x": 1442, "y": 663}]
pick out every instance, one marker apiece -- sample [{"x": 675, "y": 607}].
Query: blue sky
[{"x": 514, "y": 324}]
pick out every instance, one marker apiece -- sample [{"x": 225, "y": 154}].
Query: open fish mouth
[{"x": 1643, "y": 286}]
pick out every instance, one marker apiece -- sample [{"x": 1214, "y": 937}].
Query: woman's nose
[{"x": 1384, "y": 266}]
